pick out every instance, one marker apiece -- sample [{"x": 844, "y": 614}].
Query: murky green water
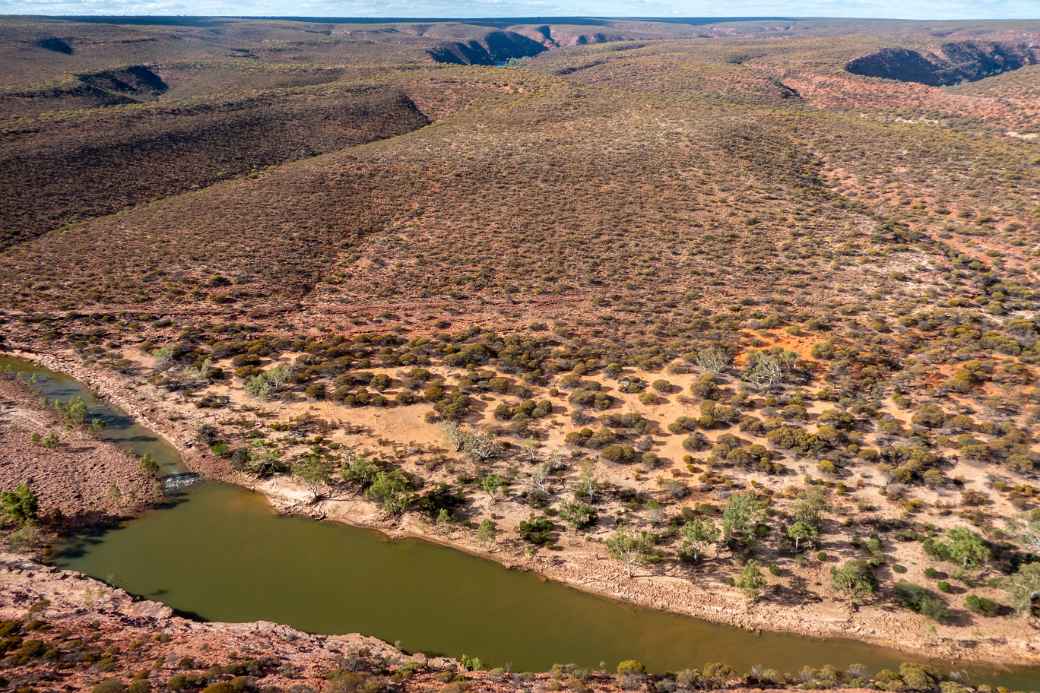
[{"x": 220, "y": 552}]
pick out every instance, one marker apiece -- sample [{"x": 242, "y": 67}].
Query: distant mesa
[
  {"x": 951, "y": 63},
  {"x": 53, "y": 43},
  {"x": 135, "y": 80},
  {"x": 494, "y": 48}
]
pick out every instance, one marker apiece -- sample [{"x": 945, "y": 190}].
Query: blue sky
[{"x": 907, "y": 9}]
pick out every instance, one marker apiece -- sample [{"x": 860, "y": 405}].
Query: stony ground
[{"x": 79, "y": 479}]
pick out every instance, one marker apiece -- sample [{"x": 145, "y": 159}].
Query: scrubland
[{"x": 687, "y": 305}]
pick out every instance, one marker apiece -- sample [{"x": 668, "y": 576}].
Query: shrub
[
  {"x": 983, "y": 606},
  {"x": 855, "y": 579},
  {"x": 391, "y": 490},
  {"x": 620, "y": 453},
  {"x": 1023, "y": 587},
  {"x": 632, "y": 547},
  {"x": 712, "y": 359},
  {"x": 20, "y": 505},
  {"x": 765, "y": 369},
  {"x": 537, "y": 530},
  {"x": 921, "y": 600},
  {"x": 929, "y": 416},
  {"x": 967, "y": 548},
  {"x": 578, "y": 514}
]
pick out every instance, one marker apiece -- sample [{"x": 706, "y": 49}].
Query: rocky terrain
[
  {"x": 692, "y": 299},
  {"x": 80, "y": 480}
]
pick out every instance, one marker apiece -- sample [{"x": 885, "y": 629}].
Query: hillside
[{"x": 608, "y": 279}]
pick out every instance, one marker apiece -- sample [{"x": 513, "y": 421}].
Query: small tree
[
  {"x": 751, "y": 580},
  {"x": 359, "y": 471},
  {"x": 740, "y": 517},
  {"x": 801, "y": 531},
  {"x": 315, "y": 472},
  {"x": 855, "y": 580},
  {"x": 966, "y": 547},
  {"x": 149, "y": 465},
  {"x": 20, "y": 505},
  {"x": 392, "y": 490},
  {"x": 810, "y": 506},
  {"x": 631, "y": 548},
  {"x": 74, "y": 411},
  {"x": 486, "y": 532},
  {"x": 587, "y": 483},
  {"x": 697, "y": 535},
  {"x": 492, "y": 484},
  {"x": 1023, "y": 588}
]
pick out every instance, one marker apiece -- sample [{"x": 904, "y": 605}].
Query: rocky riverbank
[{"x": 78, "y": 479}]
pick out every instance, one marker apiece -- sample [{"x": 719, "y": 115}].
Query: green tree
[
  {"x": 392, "y": 490},
  {"x": 486, "y": 532},
  {"x": 20, "y": 506},
  {"x": 631, "y": 548},
  {"x": 697, "y": 535},
  {"x": 1023, "y": 588},
  {"x": 740, "y": 518},
  {"x": 966, "y": 547},
  {"x": 855, "y": 580},
  {"x": 802, "y": 531},
  {"x": 314, "y": 471},
  {"x": 751, "y": 580},
  {"x": 492, "y": 484},
  {"x": 578, "y": 514}
]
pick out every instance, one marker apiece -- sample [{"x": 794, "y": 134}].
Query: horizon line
[{"x": 671, "y": 18}]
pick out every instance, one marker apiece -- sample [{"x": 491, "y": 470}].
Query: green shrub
[
  {"x": 392, "y": 490},
  {"x": 20, "y": 505},
  {"x": 984, "y": 606},
  {"x": 537, "y": 530},
  {"x": 921, "y": 600},
  {"x": 855, "y": 579},
  {"x": 578, "y": 514}
]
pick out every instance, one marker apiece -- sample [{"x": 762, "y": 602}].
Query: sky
[{"x": 903, "y": 9}]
